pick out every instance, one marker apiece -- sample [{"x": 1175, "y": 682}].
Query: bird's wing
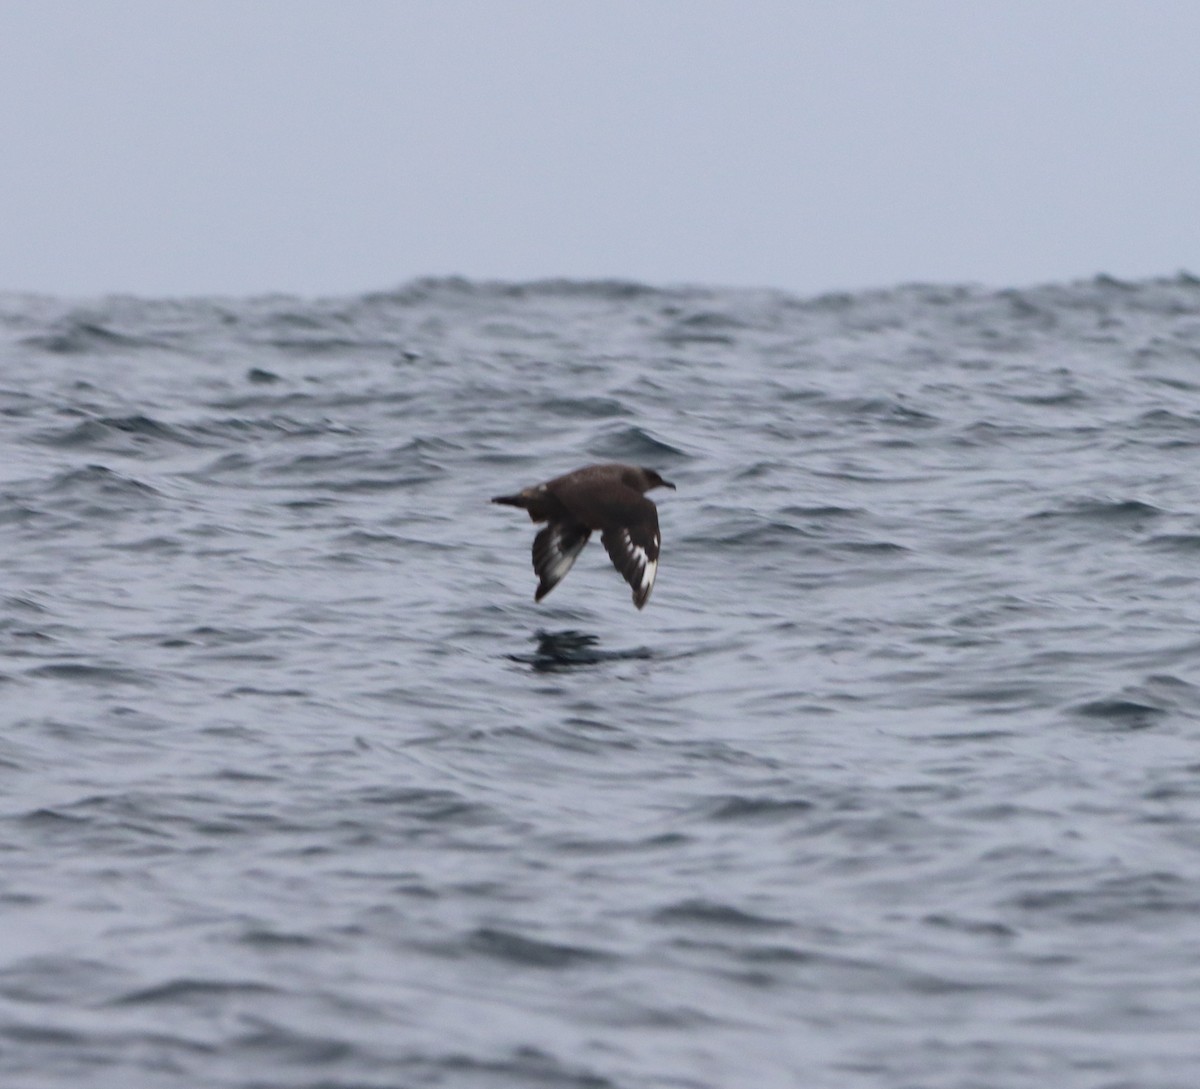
[
  {"x": 555, "y": 549},
  {"x": 632, "y": 546}
]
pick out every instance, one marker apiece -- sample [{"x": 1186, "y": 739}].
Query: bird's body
[{"x": 609, "y": 499}]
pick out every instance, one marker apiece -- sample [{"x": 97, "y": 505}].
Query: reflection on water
[{"x": 570, "y": 649}]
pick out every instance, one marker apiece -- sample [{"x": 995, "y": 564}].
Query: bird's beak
[{"x": 668, "y": 484}]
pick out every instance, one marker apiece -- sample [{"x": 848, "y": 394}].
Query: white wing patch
[
  {"x": 555, "y": 550},
  {"x": 643, "y": 569},
  {"x": 561, "y": 558},
  {"x": 649, "y": 569},
  {"x": 633, "y": 557}
]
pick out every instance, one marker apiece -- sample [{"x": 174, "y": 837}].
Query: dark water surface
[{"x": 894, "y": 783}]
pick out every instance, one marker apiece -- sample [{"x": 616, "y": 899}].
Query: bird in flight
[{"x": 608, "y": 498}]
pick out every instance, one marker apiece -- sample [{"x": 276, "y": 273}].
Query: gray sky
[{"x": 234, "y": 146}]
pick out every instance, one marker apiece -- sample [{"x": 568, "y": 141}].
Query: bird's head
[{"x": 651, "y": 479}]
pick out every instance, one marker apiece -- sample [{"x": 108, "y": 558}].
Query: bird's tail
[{"x": 512, "y": 501}]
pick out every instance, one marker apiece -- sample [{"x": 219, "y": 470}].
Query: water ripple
[{"x": 892, "y": 783}]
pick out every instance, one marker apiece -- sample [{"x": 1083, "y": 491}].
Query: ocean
[{"x": 893, "y": 784}]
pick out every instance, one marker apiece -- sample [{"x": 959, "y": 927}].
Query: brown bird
[{"x": 608, "y": 498}]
